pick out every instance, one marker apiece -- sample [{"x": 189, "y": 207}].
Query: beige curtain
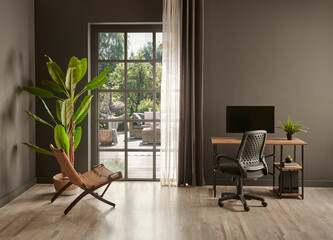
[{"x": 170, "y": 92}]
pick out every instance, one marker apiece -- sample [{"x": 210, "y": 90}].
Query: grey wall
[
  {"x": 276, "y": 53},
  {"x": 17, "y": 68},
  {"x": 62, "y": 32},
  {"x": 256, "y": 53}
]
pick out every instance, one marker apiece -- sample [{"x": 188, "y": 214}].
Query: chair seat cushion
[
  {"x": 98, "y": 176},
  {"x": 229, "y": 168},
  {"x": 233, "y": 169},
  {"x": 91, "y": 179}
]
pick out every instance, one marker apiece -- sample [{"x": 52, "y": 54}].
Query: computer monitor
[{"x": 240, "y": 119}]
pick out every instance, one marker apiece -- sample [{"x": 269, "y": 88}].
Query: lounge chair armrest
[
  {"x": 98, "y": 165},
  {"x": 115, "y": 176}
]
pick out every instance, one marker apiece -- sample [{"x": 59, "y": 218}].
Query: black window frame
[{"x": 122, "y": 28}]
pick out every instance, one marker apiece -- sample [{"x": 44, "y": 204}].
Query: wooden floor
[{"x": 146, "y": 211}]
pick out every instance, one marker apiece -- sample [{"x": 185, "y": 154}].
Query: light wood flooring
[{"x": 147, "y": 211}]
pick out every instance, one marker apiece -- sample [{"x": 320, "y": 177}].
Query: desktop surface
[{"x": 269, "y": 141}]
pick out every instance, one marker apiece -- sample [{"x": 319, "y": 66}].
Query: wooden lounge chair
[{"x": 90, "y": 181}]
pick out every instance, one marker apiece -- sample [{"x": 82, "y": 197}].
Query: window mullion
[{"x": 134, "y": 148}]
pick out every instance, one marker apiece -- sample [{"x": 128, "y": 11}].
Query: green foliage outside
[
  {"x": 110, "y": 46},
  {"x": 139, "y": 77}
]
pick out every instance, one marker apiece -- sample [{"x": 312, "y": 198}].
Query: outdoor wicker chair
[{"x": 90, "y": 181}]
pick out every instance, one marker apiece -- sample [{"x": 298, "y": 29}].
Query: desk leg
[
  {"x": 281, "y": 172},
  {"x": 273, "y": 167},
  {"x": 302, "y": 171},
  {"x": 214, "y": 168},
  {"x": 294, "y": 153}
]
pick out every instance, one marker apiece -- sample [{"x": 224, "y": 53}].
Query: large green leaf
[
  {"x": 38, "y": 118},
  {"x": 66, "y": 112},
  {"x": 38, "y": 149},
  {"x": 60, "y": 138},
  {"x": 55, "y": 87},
  {"x": 56, "y": 73},
  {"x": 48, "y": 111},
  {"x": 83, "y": 68},
  {"x": 38, "y": 92},
  {"x": 98, "y": 81},
  {"x": 77, "y": 136},
  {"x": 74, "y": 62},
  {"x": 96, "y": 84},
  {"x": 71, "y": 79},
  {"x": 84, "y": 105},
  {"x": 58, "y": 109},
  {"x": 83, "y": 115}
]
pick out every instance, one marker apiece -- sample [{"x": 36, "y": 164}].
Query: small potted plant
[
  {"x": 289, "y": 159},
  {"x": 291, "y": 128}
]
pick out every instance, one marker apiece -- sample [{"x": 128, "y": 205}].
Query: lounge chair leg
[
  {"x": 76, "y": 201},
  {"x": 60, "y": 192},
  {"x": 103, "y": 200},
  {"x": 106, "y": 189}
]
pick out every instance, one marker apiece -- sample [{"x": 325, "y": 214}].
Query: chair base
[
  {"x": 86, "y": 191},
  {"x": 239, "y": 195}
]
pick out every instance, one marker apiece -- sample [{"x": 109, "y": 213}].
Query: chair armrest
[
  {"x": 265, "y": 165},
  {"x": 98, "y": 165},
  {"x": 220, "y": 157}
]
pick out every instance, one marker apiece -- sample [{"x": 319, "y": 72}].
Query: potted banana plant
[{"x": 63, "y": 89}]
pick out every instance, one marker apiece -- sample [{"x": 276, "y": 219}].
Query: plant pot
[
  {"x": 60, "y": 181},
  {"x": 289, "y": 136},
  {"x": 105, "y": 137}
]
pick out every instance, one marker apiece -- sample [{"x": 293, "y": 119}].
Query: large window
[{"x": 126, "y": 110}]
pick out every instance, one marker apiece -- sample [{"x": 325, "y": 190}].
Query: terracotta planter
[{"x": 59, "y": 182}]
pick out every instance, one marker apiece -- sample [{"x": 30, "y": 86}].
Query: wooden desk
[{"x": 269, "y": 141}]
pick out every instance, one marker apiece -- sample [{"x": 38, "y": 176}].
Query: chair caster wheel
[
  {"x": 246, "y": 208},
  {"x": 220, "y": 203},
  {"x": 264, "y": 203}
]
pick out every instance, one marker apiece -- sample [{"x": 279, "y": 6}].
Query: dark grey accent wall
[
  {"x": 17, "y": 68},
  {"x": 276, "y": 53},
  {"x": 62, "y": 32}
]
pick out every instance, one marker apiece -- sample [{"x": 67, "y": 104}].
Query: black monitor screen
[{"x": 240, "y": 119}]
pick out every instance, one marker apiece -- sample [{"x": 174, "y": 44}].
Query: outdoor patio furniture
[
  {"x": 109, "y": 136},
  {"x": 148, "y": 135},
  {"x": 90, "y": 181},
  {"x": 105, "y": 137},
  {"x": 135, "y": 128}
]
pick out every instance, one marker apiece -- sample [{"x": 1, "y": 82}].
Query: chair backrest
[
  {"x": 66, "y": 166},
  {"x": 252, "y": 147}
]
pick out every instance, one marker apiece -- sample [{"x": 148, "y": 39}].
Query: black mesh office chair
[{"x": 250, "y": 163}]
